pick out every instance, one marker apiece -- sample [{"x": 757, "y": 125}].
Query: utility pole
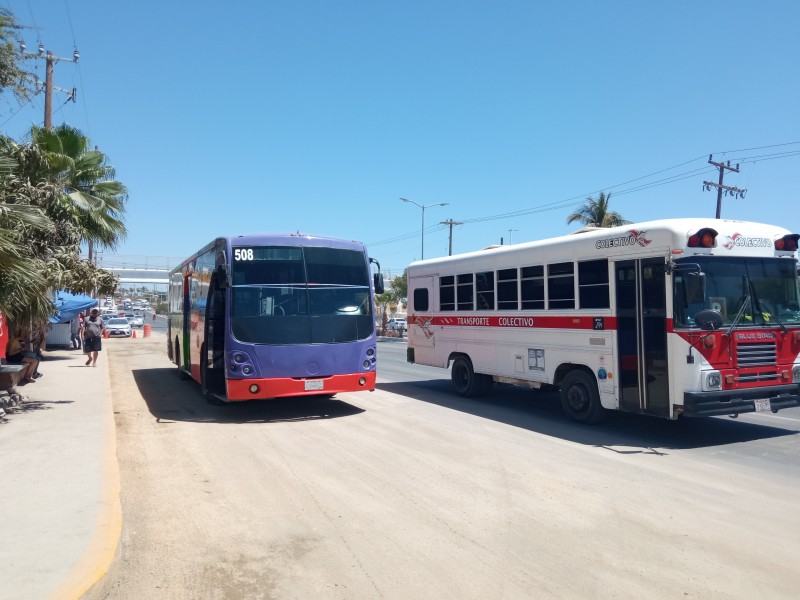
[
  {"x": 50, "y": 60},
  {"x": 451, "y": 223},
  {"x": 731, "y": 191},
  {"x": 509, "y": 235}
]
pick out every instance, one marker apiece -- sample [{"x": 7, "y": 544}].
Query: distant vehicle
[
  {"x": 275, "y": 316},
  {"x": 118, "y": 327},
  {"x": 397, "y": 324},
  {"x": 137, "y": 321}
]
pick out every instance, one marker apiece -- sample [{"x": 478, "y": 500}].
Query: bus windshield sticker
[{"x": 535, "y": 359}]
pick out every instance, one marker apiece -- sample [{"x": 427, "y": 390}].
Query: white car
[
  {"x": 118, "y": 327},
  {"x": 397, "y": 324}
]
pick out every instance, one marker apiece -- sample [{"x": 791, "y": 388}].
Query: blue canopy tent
[{"x": 69, "y": 306}]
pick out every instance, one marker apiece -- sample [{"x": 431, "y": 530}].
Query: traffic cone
[{"x": 134, "y": 333}]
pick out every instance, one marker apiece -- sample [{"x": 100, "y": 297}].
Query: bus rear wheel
[
  {"x": 466, "y": 381},
  {"x": 580, "y": 398},
  {"x": 181, "y": 374}
]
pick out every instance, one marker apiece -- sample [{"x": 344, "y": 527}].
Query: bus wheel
[
  {"x": 465, "y": 380},
  {"x": 580, "y": 398},
  {"x": 181, "y": 374}
]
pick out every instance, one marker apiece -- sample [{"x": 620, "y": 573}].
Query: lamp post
[{"x": 423, "y": 207}]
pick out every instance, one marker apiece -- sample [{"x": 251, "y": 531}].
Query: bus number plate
[
  {"x": 316, "y": 384},
  {"x": 763, "y": 406}
]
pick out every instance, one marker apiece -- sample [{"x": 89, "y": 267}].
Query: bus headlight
[
  {"x": 712, "y": 381},
  {"x": 796, "y": 374}
]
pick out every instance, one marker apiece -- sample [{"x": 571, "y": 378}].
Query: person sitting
[{"x": 20, "y": 352}]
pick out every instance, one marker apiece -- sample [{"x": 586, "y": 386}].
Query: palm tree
[
  {"x": 40, "y": 235},
  {"x": 88, "y": 183},
  {"x": 595, "y": 213},
  {"x": 23, "y": 287}
]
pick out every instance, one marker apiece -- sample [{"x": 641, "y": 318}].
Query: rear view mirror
[
  {"x": 377, "y": 282},
  {"x": 695, "y": 288}
]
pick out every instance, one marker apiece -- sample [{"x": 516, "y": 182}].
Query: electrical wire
[{"x": 577, "y": 200}]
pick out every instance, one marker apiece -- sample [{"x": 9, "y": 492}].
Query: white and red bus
[{"x": 680, "y": 317}]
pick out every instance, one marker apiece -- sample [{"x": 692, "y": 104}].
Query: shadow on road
[
  {"x": 171, "y": 399},
  {"x": 626, "y": 433}
]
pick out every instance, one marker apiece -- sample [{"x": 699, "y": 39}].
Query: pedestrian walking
[
  {"x": 93, "y": 337},
  {"x": 75, "y": 332}
]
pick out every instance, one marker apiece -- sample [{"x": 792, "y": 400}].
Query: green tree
[
  {"x": 595, "y": 213},
  {"x": 40, "y": 234},
  {"x": 88, "y": 182},
  {"x": 13, "y": 78}
]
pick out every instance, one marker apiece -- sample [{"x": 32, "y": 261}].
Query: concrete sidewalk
[{"x": 60, "y": 517}]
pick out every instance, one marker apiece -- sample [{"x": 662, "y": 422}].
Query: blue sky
[{"x": 318, "y": 116}]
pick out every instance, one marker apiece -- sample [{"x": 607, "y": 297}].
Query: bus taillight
[
  {"x": 705, "y": 238},
  {"x": 787, "y": 243}
]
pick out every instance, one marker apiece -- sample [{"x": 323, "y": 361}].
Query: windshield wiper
[
  {"x": 758, "y": 307},
  {"x": 738, "y": 315}
]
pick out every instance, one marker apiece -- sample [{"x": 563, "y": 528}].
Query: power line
[{"x": 574, "y": 200}]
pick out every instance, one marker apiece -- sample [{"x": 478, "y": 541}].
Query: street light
[{"x": 423, "y": 207}]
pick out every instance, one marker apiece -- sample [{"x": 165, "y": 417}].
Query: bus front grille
[
  {"x": 757, "y": 354},
  {"x": 761, "y": 377}
]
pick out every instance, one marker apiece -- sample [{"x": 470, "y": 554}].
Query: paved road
[{"x": 412, "y": 492}]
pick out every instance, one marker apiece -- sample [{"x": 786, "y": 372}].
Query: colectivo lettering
[{"x": 490, "y": 321}]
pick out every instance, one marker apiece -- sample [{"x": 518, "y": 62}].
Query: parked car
[
  {"x": 397, "y": 324},
  {"x": 118, "y": 327}
]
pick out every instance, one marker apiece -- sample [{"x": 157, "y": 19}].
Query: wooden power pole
[
  {"x": 50, "y": 60},
  {"x": 451, "y": 223},
  {"x": 733, "y": 191}
]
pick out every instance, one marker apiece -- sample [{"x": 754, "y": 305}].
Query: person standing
[
  {"x": 75, "y": 332},
  {"x": 93, "y": 337}
]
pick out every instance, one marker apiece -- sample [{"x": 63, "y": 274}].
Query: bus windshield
[
  {"x": 300, "y": 295},
  {"x": 764, "y": 290}
]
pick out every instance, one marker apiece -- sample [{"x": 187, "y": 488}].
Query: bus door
[
  {"x": 187, "y": 310},
  {"x": 213, "y": 365},
  {"x": 422, "y": 303},
  {"x": 642, "y": 336}
]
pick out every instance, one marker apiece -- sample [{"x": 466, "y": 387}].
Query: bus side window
[{"x": 421, "y": 299}]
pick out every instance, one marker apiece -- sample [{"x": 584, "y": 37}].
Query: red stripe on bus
[
  {"x": 517, "y": 322},
  {"x": 285, "y": 387}
]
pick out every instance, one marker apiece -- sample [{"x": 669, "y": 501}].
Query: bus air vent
[{"x": 757, "y": 354}]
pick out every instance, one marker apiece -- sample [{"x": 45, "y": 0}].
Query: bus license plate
[
  {"x": 763, "y": 406},
  {"x": 316, "y": 384}
]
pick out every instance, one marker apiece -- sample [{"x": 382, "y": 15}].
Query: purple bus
[{"x": 275, "y": 315}]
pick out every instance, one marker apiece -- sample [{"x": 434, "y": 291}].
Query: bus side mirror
[
  {"x": 377, "y": 283},
  {"x": 695, "y": 288},
  {"x": 709, "y": 319},
  {"x": 223, "y": 277}
]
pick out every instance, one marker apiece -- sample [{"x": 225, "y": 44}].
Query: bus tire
[
  {"x": 181, "y": 373},
  {"x": 580, "y": 398},
  {"x": 465, "y": 380}
]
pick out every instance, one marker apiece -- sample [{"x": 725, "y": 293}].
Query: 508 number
[{"x": 242, "y": 254}]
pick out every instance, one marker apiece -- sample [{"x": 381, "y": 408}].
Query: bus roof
[
  {"x": 274, "y": 238},
  {"x": 667, "y": 236}
]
